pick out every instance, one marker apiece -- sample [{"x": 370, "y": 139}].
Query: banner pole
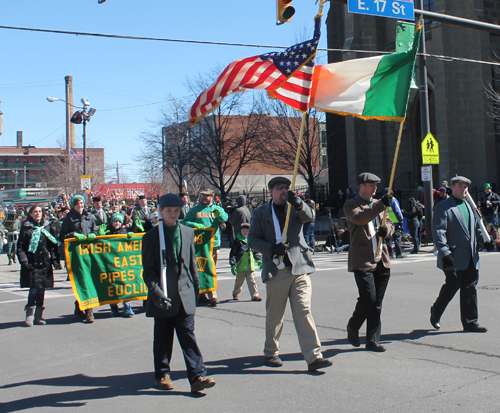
[
  {"x": 294, "y": 178},
  {"x": 391, "y": 181},
  {"x": 163, "y": 255}
]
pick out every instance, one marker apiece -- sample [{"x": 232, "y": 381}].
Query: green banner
[
  {"x": 107, "y": 270},
  {"x": 204, "y": 248}
]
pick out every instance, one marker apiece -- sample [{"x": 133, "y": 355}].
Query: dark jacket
[
  {"x": 39, "y": 274},
  {"x": 241, "y": 215},
  {"x": 78, "y": 223},
  {"x": 495, "y": 201},
  {"x": 182, "y": 277},
  {"x": 113, "y": 231},
  {"x": 241, "y": 255}
]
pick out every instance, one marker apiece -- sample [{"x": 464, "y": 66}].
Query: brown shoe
[
  {"x": 202, "y": 383},
  {"x": 257, "y": 298},
  {"x": 89, "y": 316},
  {"x": 165, "y": 383}
]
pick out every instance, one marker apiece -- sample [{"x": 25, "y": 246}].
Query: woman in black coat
[
  {"x": 414, "y": 214},
  {"x": 35, "y": 250}
]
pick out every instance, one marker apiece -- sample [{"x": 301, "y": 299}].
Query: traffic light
[{"x": 284, "y": 11}]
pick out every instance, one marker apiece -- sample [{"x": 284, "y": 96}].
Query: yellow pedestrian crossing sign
[{"x": 430, "y": 150}]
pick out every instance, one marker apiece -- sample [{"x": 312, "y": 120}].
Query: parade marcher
[
  {"x": 55, "y": 229},
  {"x": 371, "y": 270},
  {"x": 98, "y": 212},
  {"x": 244, "y": 261},
  {"x": 140, "y": 216},
  {"x": 489, "y": 205},
  {"x": 79, "y": 224},
  {"x": 394, "y": 213},
  {"x": 207, "y": 215},
  {"x": 414, "y": 215},
  {"x": 12, "y": 237},
  {"x": 115, "y": 227},
  {"x": 456, "y": 234},
  {"x": 240, "y": 215},
  {"x": 288, "y": 280},
  {"x": 176, "y": 310},
  {"x": 186, "y": 207},
  {"x": 35, "y": 250}
]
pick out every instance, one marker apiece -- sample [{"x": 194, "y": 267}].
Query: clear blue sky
[{"x": 114, "y": 73}]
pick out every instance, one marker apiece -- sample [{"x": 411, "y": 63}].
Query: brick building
[
  {"x": 469, "y": 142},
  {"x": 30, "y": 167}
]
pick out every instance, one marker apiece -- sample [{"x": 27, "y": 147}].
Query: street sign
[
  {"x": 397, "y": 9},
  {"x": 426, "y": 173},
  {"x": 86, "y": 182},
  {"x": 430, "y": 150}
]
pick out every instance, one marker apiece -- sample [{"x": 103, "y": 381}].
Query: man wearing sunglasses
[{"x": 285, "y": 271}]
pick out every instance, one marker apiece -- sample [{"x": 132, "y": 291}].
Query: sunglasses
[{"x": 280, "y": 187}]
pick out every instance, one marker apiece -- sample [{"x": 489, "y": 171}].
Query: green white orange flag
[{"x": 369, "y": 88}]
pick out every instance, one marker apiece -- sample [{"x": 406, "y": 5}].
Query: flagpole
[
  {"x": 391, "y": 181},
  {"x": 294, "y": 178}
]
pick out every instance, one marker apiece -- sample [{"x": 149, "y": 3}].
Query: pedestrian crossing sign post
[
  {"x": 86, "y": 182},
  {"x": 430, "y": 150}
]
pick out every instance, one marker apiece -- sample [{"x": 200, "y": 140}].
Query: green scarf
[{"x": 35, "y": 238}]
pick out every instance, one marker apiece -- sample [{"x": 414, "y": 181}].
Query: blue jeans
[
  {"x": 308, "y": 230},
  {"x": 493, "y": 219},
  {"x": 414, "y": 228}
]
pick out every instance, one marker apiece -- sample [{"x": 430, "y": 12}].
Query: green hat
[
  {"x": 76, "y": 198},
  {"x": 487, "y": 186},
  {"x": 117, "y": 217}
]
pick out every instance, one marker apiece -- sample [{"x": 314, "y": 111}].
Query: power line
[{"x": 162, "y": 39}]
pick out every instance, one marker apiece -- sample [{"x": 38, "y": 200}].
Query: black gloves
[
  {"x": 26, "y": 266},
  {"x": 295, "y": 200},
  {"x": 386, "y": 200},
  {"x": 448, "y": 261},
  {"x": 280, "y": 249},
  {"x": 159, "y": 298},
  {"x": 382, "y": 231},
  {"x": 489, "y": 246}
]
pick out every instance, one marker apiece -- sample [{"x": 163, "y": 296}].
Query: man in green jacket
[{"x": 207, "y": 215}]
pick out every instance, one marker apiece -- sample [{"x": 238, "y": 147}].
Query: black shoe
[
  {"x": 319, "y": 363},
  {"x": 475, "y": 328},
  {"x": 401, "y": 256},
  {"x": 372, "y": 346},
  {"x": 273, "y": 361},
  {"x": 414, "y": 252},
  {"x": 352, "y": 336},
  {"x": 435, "y": 321}
]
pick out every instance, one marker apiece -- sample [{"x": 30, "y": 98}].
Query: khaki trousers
[
  {"x": 240, "y": 279},
  {"x": 296, "y": 288}
]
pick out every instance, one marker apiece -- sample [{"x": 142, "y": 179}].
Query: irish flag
[{"x": 369, "y": 88}]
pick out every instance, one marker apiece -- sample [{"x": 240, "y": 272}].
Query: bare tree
[
  {"x": 167, "y": 151},
  {"x": 227, "y": 140},
  {"x": 284, "y": 130}
]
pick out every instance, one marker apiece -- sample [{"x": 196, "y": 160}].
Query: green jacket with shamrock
[
  {"x": 206, "y": 216},
  {"x": 243, "y": 257}
]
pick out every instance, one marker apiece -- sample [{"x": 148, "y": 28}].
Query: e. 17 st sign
[{"x": 398, "y": 9}]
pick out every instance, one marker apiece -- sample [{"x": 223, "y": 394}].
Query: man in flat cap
[
  {"x": 140, "y": 215},
  {"x": 371, "y": 270},
  {"x": 207, "y": 215},
  {"x": 174, "y": 309},
  {"x": 287, "y": 280},
  {"x": 456, "y": 233}
]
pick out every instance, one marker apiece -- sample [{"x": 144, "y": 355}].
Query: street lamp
[{"x": 80, "y": 116}]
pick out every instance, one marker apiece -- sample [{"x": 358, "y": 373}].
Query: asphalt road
[{"x": 107, "y": 366}]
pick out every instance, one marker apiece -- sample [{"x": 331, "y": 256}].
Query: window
[
  {"x": 51, "y": 159},
  {"x": 42, "y": 174},
  {"x": 25, "y": 160},
  {"x": 0, "y": 160},
  {"x": 17, "y": 160},
  {"x": 42, "y": 160}
]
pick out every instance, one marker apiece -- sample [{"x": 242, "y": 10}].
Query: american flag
[
  {"x": 285, "y": 75},
  {"x": 74, "y": 155}
]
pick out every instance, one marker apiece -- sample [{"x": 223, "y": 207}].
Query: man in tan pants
[{"x": 288, "y": 280}]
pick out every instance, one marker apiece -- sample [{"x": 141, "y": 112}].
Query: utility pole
[{"x": 118, "y": 171}]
